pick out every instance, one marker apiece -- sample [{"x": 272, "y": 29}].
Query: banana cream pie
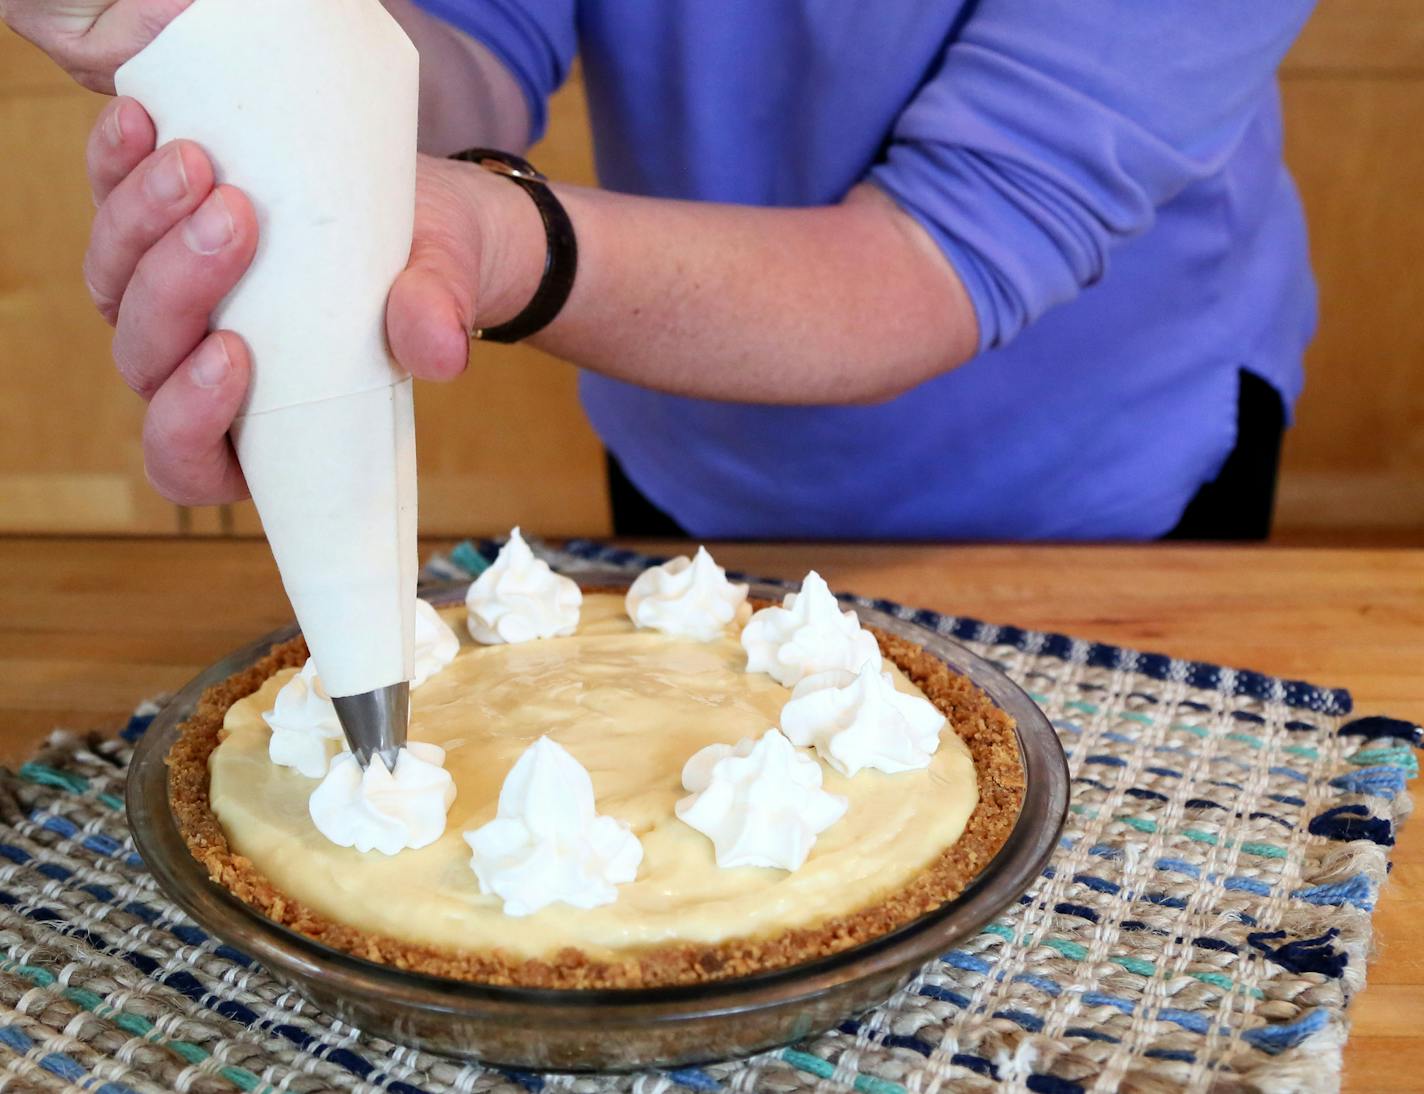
[{"x": 602, "y": 789}]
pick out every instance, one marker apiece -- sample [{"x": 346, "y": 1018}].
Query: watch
[{"x": 561, "y": 255}]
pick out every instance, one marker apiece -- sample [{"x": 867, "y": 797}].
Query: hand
[
  {"x": 90, "y": 38},
  {"x": 167, "y": 245}
]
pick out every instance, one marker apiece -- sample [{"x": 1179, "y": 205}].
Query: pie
[{"x": 631, "y": 705}]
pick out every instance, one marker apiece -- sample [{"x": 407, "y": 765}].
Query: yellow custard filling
[{"x": 631, "y": 706}]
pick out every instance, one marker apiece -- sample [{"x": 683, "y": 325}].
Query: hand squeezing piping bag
[{"x": 309, "y": 106}]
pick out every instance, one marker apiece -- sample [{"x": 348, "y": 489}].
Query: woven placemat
[{"x": 1204, "y": 924}]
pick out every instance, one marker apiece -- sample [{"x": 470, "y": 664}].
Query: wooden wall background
[{"x": 507, "y": 443}]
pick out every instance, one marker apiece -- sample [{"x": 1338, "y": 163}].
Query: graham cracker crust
[{"x": 986, "y": 730}]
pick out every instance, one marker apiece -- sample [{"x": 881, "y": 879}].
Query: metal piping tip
[{"x": 375, "y": 722}]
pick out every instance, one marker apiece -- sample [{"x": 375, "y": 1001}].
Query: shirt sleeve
[
  {"x": 1051, "y": 132},
  {"x": 535, "y": 39}
]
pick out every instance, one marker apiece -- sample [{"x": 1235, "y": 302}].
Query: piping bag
[{"x": 309, "y": 106}]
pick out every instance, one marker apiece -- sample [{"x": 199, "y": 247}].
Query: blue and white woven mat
[{"x": 1203, "y": 926}]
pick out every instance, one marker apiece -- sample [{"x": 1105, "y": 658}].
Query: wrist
[{"x": 513, "y": 248}]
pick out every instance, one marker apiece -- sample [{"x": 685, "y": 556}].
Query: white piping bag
[{"x": 310, "y": 106}]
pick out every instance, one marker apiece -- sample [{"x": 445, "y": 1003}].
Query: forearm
[
  {"x": 467, "y": 97},
  {"x": 836, "y": 304}
]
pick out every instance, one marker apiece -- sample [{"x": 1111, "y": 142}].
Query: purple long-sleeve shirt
[{"x": 1106, "y": 178}]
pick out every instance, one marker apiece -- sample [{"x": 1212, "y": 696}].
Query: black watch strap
[{"x": 561, "y": 256}]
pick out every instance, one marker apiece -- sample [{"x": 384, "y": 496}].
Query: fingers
[
  {"x": 120, "y": 140},
  {"x": 137, "y": 213},
  {"x": 186, "y": 452},
  {"x": 177, "y": 284}
]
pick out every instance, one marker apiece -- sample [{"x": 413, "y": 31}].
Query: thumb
[
  {"x": 119, "y": 29},
  {"x": 431, "y": 309},
  {"x": 429, "y": 314}
]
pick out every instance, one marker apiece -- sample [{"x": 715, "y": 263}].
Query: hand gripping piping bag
[{"x": 309, "y": 107}]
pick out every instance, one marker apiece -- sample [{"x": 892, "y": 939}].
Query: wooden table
[{"x": 92, "y": 625}]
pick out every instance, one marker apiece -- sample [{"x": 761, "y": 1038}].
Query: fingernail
[
  {"x": 114, "y": 127},
  {"x": 210, "y": 364},
  {"x": 210, "y": 227},
  {"x": 167, "y": 180}
]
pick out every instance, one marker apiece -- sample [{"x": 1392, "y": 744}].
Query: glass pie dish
[{"x": 605, "y": 1029}]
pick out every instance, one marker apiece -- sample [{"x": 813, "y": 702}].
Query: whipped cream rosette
[
  {"x": 435, "y": 643},
  {"x": 689, "y": 597},
  {"x": 760, "y": 802},
  {"x": 519, "y": 598},
  {"x": 305, "y": 730},
  {"x": 547, "y": 843},
  {"x": 381, "y": 810},
  {"x": 861, "y": 720},
  {"x": 806, "y": 635}
]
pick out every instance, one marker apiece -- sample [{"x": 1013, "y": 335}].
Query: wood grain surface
[{"x": 90, "y": 626}]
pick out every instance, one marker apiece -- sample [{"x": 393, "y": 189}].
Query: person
[{"x": 919, "y": 269}]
